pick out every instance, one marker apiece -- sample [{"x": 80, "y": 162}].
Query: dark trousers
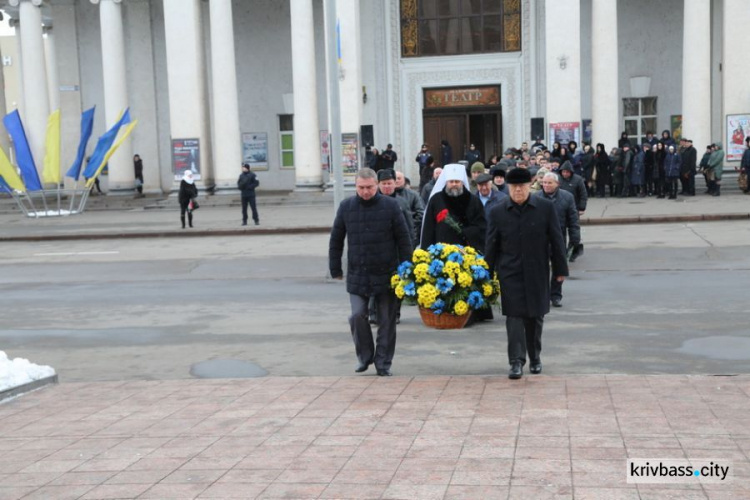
[
  {"x": 684, "y": 184},
  {"x": 691, "y": 184},
  {"x": 672, "y": 187},
  {"x": 184, "y": 209},
  {"x": 524, "y": 335},
  {"x": 555, "y": 289},
  {"x": 139, "y": 185},
  {"x": 381, "y": 351},
  {"x": 249, "y": 200}
]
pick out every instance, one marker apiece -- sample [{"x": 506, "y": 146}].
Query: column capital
[
  {"x": 16, "y": 3},
  {"x": 96, "y": 2}
]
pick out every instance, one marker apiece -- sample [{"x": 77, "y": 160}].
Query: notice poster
[
  {"x": 255, "y": 150},
  {"x": 325, "y": 150},
  {"x": 349, "y": 154},
  {"x": 564, "y": 132},
  {"x": 738, "y": 128},
  {"x": 186, "y": 155},
  {"x": 675, "y": 126}
]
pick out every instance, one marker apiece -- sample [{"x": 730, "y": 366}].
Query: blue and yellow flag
[
  {"x": 26, "y": 164},
  {"x": 87, "y": 127},
  {"x": 9, "y": 175},
  {"x": 51, "y": 171},
  {"x": 95, "y": 164},
  {"x": 111, "y": 151}
]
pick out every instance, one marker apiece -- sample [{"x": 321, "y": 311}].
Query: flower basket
[
  {"x": 444, "y": 321},
  {"x": 447, "y": 282}
]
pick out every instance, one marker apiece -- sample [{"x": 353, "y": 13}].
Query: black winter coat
[
  {"x": 689, "y": 159},
  {"x": 466, "y": 209},
  {"x": 378, "y": 241},
  {"x": 247, "y": 183},
  {"x": 602, "y": 165},
  {"x": 521, "y": 242},
  {"x": 567, "y": 214},
  {"x": 187, "y": 192},
  {"x": 575, "y": 186}
]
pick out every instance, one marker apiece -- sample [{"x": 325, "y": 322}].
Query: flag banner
[
  {"x": 111, "y": 151},
  {"x": 95, "y": 164},
  {"x": 25, "y": 159},
  {"x": 51, "y": 170},
  {"x": 87, "y": 127},
  {"x": 9, "y": 175},
  {"x": 4, "y": 188}
]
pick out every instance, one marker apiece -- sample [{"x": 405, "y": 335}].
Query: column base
[
  {"x": 308, "y": 188},
  {"x": 120, "y": 191},
  {"x": 225, "y": 189}
]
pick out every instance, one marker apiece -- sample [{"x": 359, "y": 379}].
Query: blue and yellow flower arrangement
[{"x": 445, "y": 278}]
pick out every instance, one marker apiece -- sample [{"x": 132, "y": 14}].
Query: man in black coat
[
  {"x": 378, "y": 241},
  {"x": 567, "y": 215},
  {"x": 247, "y": 183},
  {"x": 688, "y": 167},
  {"x": 523, "y": 236},
  {"x": 388, "y": 157},
  {"x": 451, "y": 193},
  {"x": 575, "y": 185}
]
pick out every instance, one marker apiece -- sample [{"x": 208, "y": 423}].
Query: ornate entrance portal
[{"x": 463, "y": 116}]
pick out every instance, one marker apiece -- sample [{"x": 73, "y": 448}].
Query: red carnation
[{"x": 442, "y": 215}]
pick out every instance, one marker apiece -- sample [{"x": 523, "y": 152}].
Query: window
[
  {"x": 449, "y": 27},
  {"x": 286, "y": 140},
  {"x": 640, "y": 117}
]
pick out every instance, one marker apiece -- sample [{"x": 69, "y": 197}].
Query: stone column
[
  {"x": 36, "y": 97},
  {"x": 736, "y": 65},
  {"x": 188, "y": 99},
  {"x": 308, "y": 173},
  {"x": 16, "y": 23},
  {"x": 351, "y": 67},
  {"x": 696, "y": 72},
  {"x": 563, "y": 61},
  {"x": 226, "y": 122},
  {"x": 605, "y": 103},
  {"x": 121, "y": 174},
  {"x": 53, "y": 80}
]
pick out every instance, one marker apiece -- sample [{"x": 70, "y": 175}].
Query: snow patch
[{"x": 19, "y": 371}]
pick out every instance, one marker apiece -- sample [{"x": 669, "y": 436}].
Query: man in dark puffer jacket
[{"x": 378, "y": 240}]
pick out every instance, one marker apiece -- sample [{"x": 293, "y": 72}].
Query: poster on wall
[
  {"x": 738, "y": 128},
  {"x": 186, "y": 155},
  {"x": 675, "y": 126},
  {"x": 350, "y": 154},
  {"x": 586, "y": 131},
  {"x": 325, "y": 150},
  {"x": 255, "y": 150},
  {"x": 564, "y": 132}
]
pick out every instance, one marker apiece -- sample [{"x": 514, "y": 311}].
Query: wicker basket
[{"x": 443, "y": 321}]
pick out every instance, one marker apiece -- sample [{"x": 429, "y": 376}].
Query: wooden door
[{"x": 453, "y": 130}]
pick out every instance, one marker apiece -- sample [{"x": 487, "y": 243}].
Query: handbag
[
  {"x": 193, "y": 205},
  {"x": 742, "y": 181}
]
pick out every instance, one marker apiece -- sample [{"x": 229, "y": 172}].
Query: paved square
[{"x": 370, "y": 437}]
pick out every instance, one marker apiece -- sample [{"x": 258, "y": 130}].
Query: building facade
[{"x": 214, "y": 83}]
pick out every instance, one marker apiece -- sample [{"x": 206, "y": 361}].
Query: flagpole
[
  {"x": 31, "y": 203},
  {"x": 73, "y": 197},
  {"x": 19, "y": 202},
  {"x": 44, "y": 200}
]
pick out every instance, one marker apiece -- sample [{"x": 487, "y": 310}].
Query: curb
[
  {"x": 609, "y": 221},
  {"x": 31, "y": 386}
]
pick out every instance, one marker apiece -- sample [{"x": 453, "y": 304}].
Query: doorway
[{"x": 463, "y": 116}]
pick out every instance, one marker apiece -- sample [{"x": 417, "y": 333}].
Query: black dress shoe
[
  {"x": 556, "y": 303},
  {"x": 516, "y": 371},
  {"x": 536, "y": 368},
  {"x": 362, "y": 367},
  {"x": 382, "y": 372}
]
